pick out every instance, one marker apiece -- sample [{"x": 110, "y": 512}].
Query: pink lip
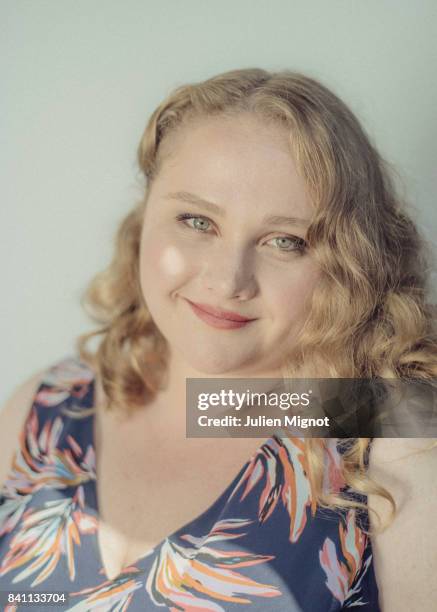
[{"x": 222, "y": 319}]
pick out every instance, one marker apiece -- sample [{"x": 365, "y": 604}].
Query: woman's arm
[
  {"x": 12, "y": 417},
  {"x": 405, "y": 554}
]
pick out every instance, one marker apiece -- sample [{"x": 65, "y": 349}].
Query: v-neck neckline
[{"x": 95, "y": 510}]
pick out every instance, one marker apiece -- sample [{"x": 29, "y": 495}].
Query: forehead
[{"x": 237, "y": 161}]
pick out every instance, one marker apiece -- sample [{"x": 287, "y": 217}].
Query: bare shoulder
[
  {"x": 12, "y": 417},
  {"x": 388, "y": 449},
  {"x": 405, "y": 554}
]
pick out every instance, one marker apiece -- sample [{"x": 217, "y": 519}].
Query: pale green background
[{"x": 79, "y": 79}]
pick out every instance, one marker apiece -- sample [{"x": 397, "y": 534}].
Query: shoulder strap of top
[
  {"x": 66, "y": 386},
  {"x": 55, "y": 446},
  {"x": 69, "y": 380},
  {"x": 56, "y": 418},
  {"x": 344, "y": 444}
]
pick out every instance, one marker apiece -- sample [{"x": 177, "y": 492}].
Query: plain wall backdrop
[{"x": 79, "y": 80}]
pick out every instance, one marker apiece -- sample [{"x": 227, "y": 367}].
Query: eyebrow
[{"x": 191, "y": 198}]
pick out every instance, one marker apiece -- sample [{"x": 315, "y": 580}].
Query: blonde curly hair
[{"x": 369, "y": 315}]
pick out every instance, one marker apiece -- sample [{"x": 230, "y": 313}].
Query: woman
[{"x": 264, "y": 202}]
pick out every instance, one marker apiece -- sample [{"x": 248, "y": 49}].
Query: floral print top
[{"x": 263, "y": 545}]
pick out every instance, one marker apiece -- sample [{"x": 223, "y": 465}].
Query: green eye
[
  {"x": 199, "y": 223},
  {"x": 289, "y": 244}
]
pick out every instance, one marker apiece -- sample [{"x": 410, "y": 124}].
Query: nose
[{"x": 229, "y": 274}]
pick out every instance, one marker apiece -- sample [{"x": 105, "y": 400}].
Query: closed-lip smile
[
  {"x": 227, "y": 315},
  {"x": 217, "y": 317}
]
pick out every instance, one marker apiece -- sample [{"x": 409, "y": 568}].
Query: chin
[{"x": 212, "y": 364}]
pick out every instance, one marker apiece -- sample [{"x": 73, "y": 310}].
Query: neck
[{"x": 170, "y": 403}]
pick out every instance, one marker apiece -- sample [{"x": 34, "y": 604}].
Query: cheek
[
  {"x": 290, "y": 297},
  {"x": 171, "y": 262},
  {"x": 162, "y": 266}
]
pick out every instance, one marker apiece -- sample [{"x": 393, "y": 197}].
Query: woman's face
[{"x": 206, "y": 239}]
